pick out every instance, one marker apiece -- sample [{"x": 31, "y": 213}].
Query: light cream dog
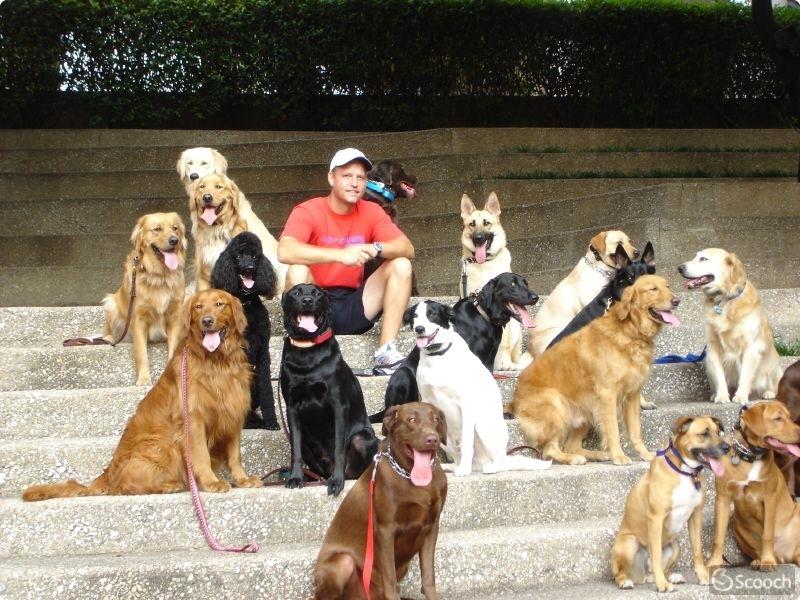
[
  {"x": 196, "y": 163},
  {"x": 485, "y": 255},
  {"x": 670, "y": 495},
  {"x": 741, "y": 351}
]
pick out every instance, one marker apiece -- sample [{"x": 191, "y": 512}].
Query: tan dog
[
  {"x": 485, "y": 255},
  {"x": 196, "y": 163},
  {"x": 407, "y": 510},
  {"x": 158, "y": 257},
  {"x": 592, "y": 273},
  {"x": 741, "y": 351},
  {"x": 766, "y": 519},
  {"x": 670, "y": 495},
  {"x": 149, "y": 456},
  {"x": 216, "y": 220},
  {"x": 584, "y": 379}
]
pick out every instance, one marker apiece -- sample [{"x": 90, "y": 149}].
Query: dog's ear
[
  {"x": 649, "y": 256},
  {"x": 621, "y": 258},
  {"x": 598, "y": 242},
  {"x": 623, "y": 307},
  {"x": 181, "y": 165},
  {"x": 265, "y": 276},
  {"x": 236, "y": 195},
  {"x": 487, "y": 303},
  {"x": 408, "y": 316},
  {"x": 681, "y": 425},
  {"x": 137, "y": 235},
  {"x": 492, "y": 204},
  {"x": 224, "y": 275},
  {"x": 720, "y": 427},
  {"x": 220, "y": 162},
  {"x": 451, "y": 315},
  {"x": 441, "y": 425},
  {"x": 737, "y": 274},
  {"x": 239, "y": 318},
  {"x": 389, "y": 418},
  {"x": 467, "y": 207},
  {"x": 187, "y": 315}
]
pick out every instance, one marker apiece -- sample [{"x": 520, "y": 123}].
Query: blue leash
[{"x": 677, "y": 358}]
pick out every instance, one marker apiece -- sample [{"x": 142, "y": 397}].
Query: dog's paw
[
  {"x": 768, "y": 395},
  {"x": 665, "y": 587},
  {"x": 621, "y": 459},
  {"x": 676, "y": 578},
  {"x": 625, "y": 584},
  {"x": 647, "y": 405},
  {"x": 218, "y": 486},
  {"x": 647, "y": 455},
  {"x": 144, "y": 379},
  {"x": 703, "y": 577},
  {"x": 764, "y": 564},
  {"x": 462, "y": 471},
  {"x": 272, "y": 425},
  {"x": 335, "y": 486},
  {"x": 295, "y": 482},
  {"x": 172, "y": 488},
  {"x": 249, "y": 482},
  {"x": 722, "y": 397},
  {"x": 741, "y": 399},
  {"x": 576, "y": 459}
]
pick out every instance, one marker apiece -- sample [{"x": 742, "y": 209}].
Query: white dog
[
  {"x": 741, "y": 351},
  {"x": 453, "y": 379},
  {"x": 195, "y": 163}
]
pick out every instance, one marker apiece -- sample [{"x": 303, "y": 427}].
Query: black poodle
[{"x": 243, "y": 271}]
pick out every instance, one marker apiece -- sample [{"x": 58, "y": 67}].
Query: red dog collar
[{"x": 323, "y": 337}]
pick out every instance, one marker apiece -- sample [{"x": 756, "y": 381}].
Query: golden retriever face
[
  {"x": 606, "y": 242},
  {"x": 214, "y": 199},
  {"x": 649, "y": 303},
  {"x": 160, "y": 241},
  {"x": 214, "y": 318},
  {"x": 483, "y": 235},
  {"x": 715, "y": 271},
  {"x": 700, "y": 438},
  {"x": 196, "y": 163},
  {"x": 768, "y": 424}
]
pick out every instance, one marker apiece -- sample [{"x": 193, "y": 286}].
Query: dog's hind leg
[
  {"x": 332, "y": 575},
  {"x": 606, "y": 411},
  {"x": 574, "y": 445},
  {"x": 633, "y": 422},
  {"x": 139, "y": 337},
  {"x": 623, "y": 556}
]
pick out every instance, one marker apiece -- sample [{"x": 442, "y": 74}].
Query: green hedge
[{"x": 382, "y": 64}]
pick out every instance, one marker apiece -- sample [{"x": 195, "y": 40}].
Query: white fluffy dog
[
  {"x": 195, "y": 163},
  {"x": 452, "y": 378}
]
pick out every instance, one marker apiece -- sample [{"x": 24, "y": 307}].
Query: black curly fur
[{"x": 244, "y": 255}]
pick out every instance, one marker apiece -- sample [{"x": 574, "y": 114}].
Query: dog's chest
[{"x": 685, "y": 498}]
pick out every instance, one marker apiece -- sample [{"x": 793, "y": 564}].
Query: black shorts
[{"x": 347, "y": 311}]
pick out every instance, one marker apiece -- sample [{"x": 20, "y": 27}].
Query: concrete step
[
  {"x": 47, "y": 460},
  {"x": 127, "y": 524},
  {"x": 467, "y": 562}
]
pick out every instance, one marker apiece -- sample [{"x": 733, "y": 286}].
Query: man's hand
[{"x": 357, "y": 254}]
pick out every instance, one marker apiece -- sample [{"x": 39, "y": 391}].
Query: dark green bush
[{"x": 382, "y": 64}]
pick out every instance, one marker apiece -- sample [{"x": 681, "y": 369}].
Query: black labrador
[
  {"x": 628, "y": 273},
  {"x": 327, "y": 419},
  {"x": 244, "y": 271},
  {"x": 479, "y": 319}
]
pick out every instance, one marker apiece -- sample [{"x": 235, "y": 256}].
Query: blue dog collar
[{"x": 381, "y": 188}]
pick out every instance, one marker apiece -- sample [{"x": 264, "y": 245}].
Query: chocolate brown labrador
[{"x": 408, "y": 499}]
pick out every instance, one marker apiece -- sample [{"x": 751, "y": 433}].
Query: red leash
[
  {"x": 196, "y": 500},
  {"x": 369, "y": 550}
]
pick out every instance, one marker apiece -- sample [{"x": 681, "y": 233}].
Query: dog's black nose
[
  {"x": 194, "y": 176},
  {"x": 306, "y": 302},
  {"x": 173, "y": 240},
  {"x": 724, "y": 447},
  {"x": 432, "y": 440},
  {"x": 676, "y": 301},
  {"x": 680, "y": 269},
  {"x": 635, "y": 254},
  {"x": 419, "y": 330},
  {"x": 479, "y": 239},
  {"x": 534, "y": 298},
  {"x": 208, "y": 198},
  {"x": 207, "y": 321}
]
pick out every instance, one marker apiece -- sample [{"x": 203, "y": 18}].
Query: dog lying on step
[
  {"x": 453, "y": 379},
  {"x": 408, "y": 501},
  {"x": 666, "y": 498}
]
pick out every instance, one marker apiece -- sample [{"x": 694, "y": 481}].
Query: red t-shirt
[{"x": 313, "y": 222}]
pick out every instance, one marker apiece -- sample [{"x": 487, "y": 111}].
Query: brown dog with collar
[
  {"x": 661, "y": 503},
  {"x": 766, "y": 520},
  {"x": 408, "y": 498}
]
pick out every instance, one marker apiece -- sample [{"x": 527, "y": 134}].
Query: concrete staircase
[{"x": 71, "y": 199}]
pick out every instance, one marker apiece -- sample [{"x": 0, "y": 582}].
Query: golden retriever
[
  {"x": 158, "y": 257},
  {"x": 741, "y": 351},
  {"x": 196, "y": 163},
  {"x": 587, "y": 377},
  {"x": 149, "y": 457}
]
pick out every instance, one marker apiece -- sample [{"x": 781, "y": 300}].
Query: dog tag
[
  {"x": 718, "y": 309},
  {"x": 696, "y": 483},
  {"x": 735, "y": 460}
]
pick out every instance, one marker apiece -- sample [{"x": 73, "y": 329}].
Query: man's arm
[
  {"x": 294, "y": 252},
  {"x": 398, "y": 247}
]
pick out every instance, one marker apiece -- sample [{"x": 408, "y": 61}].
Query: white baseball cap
[{"x": 348, "y": 155}]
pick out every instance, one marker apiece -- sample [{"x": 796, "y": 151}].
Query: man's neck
[{"x": 340, "y": 207}]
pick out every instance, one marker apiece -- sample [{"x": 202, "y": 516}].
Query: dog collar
[
  {"x": 442, "y": 351},
  {"x": 718, "y": 306},
  {"x": 396, "y": 467},
  {"x": 322, "y": 337},
  {"x": 380, "y": 188},
  {"x": 745, "y": 452},
  {"x": 695, "y": 471},
  {"x": 599, "y": 266},
  {"x": 474, "y": 297}
]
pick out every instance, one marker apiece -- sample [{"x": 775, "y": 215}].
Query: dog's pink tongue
[
  {"x": 522, "y": 313},
  {"x": 209, "y": 215},
  {"x": 480, "y": 254},
  {"x": 211, "y": 340},
  {"x": 409, "y": 190},
  {"x": 171, "y": 260},
  {"x": 307, "y": 322},
  {"x": 423, "y": 341},
  {"x": 248, "y": 282},
  {"x": 669, "y": 318},
  {"x": 786, "y": 448},
  {"x": 421, "y": 473},
  {"x": 716, "y": 466}
]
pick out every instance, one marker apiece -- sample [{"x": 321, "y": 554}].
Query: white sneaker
[{"x": 387, "y": 359}]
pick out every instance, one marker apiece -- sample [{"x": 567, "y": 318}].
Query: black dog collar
[
  {"x": 441, "y": 350},
  {"x": 744, "y": 451}
]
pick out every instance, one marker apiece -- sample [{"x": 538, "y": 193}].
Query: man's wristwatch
[{"x": 378, "y": 248}]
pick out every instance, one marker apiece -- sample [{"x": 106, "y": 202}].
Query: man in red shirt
[{"x": 327, "y": 240}]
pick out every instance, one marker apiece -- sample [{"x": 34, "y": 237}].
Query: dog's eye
[
  {"x": 218, "y": 186},
  {"x": 218, "y": 304},
  {"x": 486, "y": 223},
  {"x": 472, "y": 223},
  {"x": 157, "y": 228},
  {"x": 198, "y": 306},
  {"x": 703, "y": 258},
  {"x": 513, "y": 284},
  {"x": 204, "y": 163},
  {"x": 202, "y": 186},
  {"x": 706, "y": 433},
  {"x": 174, "y": 228},
  {"x": 412, "y": 419}
]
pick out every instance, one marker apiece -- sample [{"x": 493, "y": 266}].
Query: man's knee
[
  {"x": 297, "y": 274},
  {"x": 400, "y": 267}
]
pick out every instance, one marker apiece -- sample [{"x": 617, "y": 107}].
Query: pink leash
[{"x": 196, "y": 500}]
